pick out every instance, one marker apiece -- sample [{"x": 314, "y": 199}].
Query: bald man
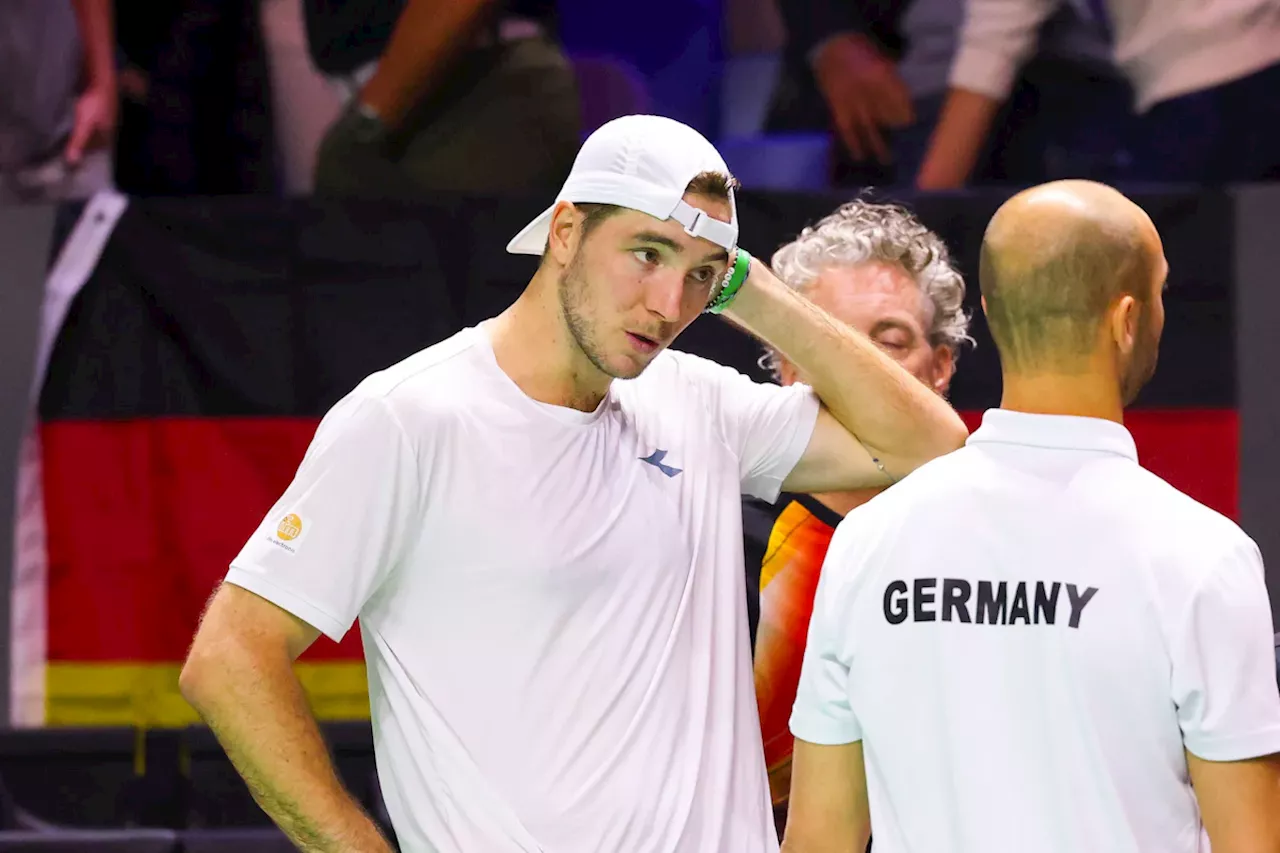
[{"x": 1073, "y": 656}]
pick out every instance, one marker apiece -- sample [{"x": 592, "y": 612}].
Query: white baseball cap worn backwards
[{"x": 644, "y": 163}]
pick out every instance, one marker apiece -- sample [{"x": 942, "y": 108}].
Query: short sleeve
[
  {"x": 995, "y": 41},
  {"x": 1224, "y": 679},
  {"x": 767, "y": 426},
  {"x": 822, "y": 713},
  {"x": 343, "y": 522}
]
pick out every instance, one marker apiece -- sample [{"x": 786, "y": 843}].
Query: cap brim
[{"x": 532, "y": 239}]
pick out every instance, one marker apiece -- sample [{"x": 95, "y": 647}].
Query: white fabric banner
[{"x": 29, "y": 603}]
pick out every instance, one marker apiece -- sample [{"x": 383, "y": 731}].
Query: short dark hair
[{"x": 1048, "y": 311}]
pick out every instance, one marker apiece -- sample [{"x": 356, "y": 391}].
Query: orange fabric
[{"x": 788, "y": 581}]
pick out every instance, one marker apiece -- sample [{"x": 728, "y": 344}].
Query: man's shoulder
[
  {"x": 684, "y": 375},
  {"x": 1188, "y": 532},
  {"x": 1162, "y": 520},
  {"x": 672, "y": 377},
  {"x": 434, "y": 380},
  {"x": 440, "y": 362}
]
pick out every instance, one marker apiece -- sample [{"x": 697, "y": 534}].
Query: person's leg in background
[
  {"x": 1065, "y": 118},
  {"x": 1089, "y": 122},
  {"x": 304, "y": 102},
  {"x": 1227, "y": 134},
  {"x": 198, "y": 108}
]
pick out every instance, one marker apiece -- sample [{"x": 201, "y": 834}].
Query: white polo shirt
[
  {"x": 1025, "y": 633},
  {"x": 550, "y": 600}
]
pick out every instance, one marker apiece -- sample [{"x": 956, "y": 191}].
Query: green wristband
[{"x": 734, "y": 277}]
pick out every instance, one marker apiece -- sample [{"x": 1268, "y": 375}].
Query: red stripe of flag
[{"x": 144, "y": 515}]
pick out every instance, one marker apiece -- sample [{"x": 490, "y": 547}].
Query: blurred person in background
[
  {"x": 876, "y": 74},
  {"x": 452, "y": 95},
  {"x": 197, "y": 113},
  {"x": 304, "y": 102},
  {"x": 878, "y": 269},
  {"x": 59, "y": 103},
  {"x": 1205, "y": 75}
]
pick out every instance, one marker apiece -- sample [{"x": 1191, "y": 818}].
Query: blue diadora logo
[{"x": 656, "y": 461}]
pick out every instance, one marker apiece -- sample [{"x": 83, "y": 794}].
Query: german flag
[{"x": 196, "y": 361}]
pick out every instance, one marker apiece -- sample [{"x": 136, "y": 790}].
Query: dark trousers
[
  {"x": 1227, "y": 134},
  {"x": 507, "y": 119}
]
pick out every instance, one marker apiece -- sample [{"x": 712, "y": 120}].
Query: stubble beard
[{"x": 575, "y": 305}]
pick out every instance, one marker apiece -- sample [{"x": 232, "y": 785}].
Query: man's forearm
[
  {"x": 257, "y": 709},
  {"x": 97, "y": 34},
  {"x": 872, "y": 396},
  {"x": 427, "y": 37},
  {"x": 962, "y": 130}
]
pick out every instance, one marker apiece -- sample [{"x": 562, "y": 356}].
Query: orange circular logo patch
[{"x": 290, "y": 527}]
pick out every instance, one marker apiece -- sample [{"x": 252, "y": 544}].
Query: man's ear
[
  {"x": 944, "y": 367},
  {"x": 1126, "y": 316},
  {"x": 562, "y": 239}
]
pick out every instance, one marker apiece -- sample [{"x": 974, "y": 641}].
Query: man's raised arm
[{"x": 878, "y": 422}]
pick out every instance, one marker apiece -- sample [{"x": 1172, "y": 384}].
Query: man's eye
[
  {"x": 646, "y": 256},
  {"x": 702, "y": 275}
]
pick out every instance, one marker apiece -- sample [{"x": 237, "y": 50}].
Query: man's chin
[
  {"x": 630, "y": 366},
  {"x": 630, "y": 370}
]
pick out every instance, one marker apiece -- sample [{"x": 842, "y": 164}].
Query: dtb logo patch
[{"x": 290, "y": 531}]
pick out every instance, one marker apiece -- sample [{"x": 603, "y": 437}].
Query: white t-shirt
[
  {"x": 1025, "y": 633},
  {"x": 550, "y": 600}
]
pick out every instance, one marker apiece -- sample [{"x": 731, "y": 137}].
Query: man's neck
[
  {"x": 1085, "y": 395},
  {"x": 535, "y": 349}
]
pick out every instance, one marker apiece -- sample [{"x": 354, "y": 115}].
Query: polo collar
[{"x": 1057, "y": 432}]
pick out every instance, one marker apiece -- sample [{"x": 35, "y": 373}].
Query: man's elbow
[
  {"x": 211, "y": 661},
  {"x": 953, "y": 435},
  {"x": 949, "y": 434},
  {"x": 196, "y": 675}
]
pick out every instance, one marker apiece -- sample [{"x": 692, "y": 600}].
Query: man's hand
[
  {"x": 863, "y": 92},
  {"x": 96, "y": 116},
  {"x": 135, "y": 84},
  {"x": 239, "y": 677},
  {"x": 98, "y": 107}
]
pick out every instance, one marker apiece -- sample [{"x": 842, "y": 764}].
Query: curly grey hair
[{"x": 862, "y": 231}]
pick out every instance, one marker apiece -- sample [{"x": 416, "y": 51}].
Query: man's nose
[{"x": 665, "y": 294}]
